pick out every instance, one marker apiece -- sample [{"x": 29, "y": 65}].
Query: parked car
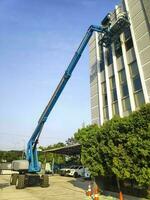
[
  {"x": 76, "y": 171},
  {"x": 87, "y": 174},
  {"x": 64, "y": 171}
]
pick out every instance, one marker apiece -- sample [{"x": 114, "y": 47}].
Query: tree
[
  {"x": 71, "y": 141},
  {"x": 120, "y": 147},
  {"x": 9, "y": 156}
]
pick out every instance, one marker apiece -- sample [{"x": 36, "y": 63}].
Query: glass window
[
  {"x": 129, "y": 44},
  {"x": 118, "y": 49},
  {"x": 139, "y": 98},
  {"x": 101, "y": 58},
  {"x": 126, "y": 104},
  {"x": 123, "y": 83},
  {"x": 124, "y": 90},
  {"x": 134, "y": 69},
  {"x": 137, "y": 83},
  {"x": 115, "y": 109},
  {"x": 103, "y": 87},
  {"x": 114, "y": 95},
  {"x": 122, "y": 76},
  {"x": 128, "y": 39},
  {"x": 109, "y": 56},
  {"x": 113, "y": 88},
  {"x": 112, "y": 82},
  {"x": 105, "y": 112},
  {"x": 104, "y": 94},
  {"x": 101, "y": 66},
  {"x": 127, "y": 33},
  {"x": 105, "y": 102}
]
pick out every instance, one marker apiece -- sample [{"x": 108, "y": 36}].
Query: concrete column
[
  {"x": 101, "y": 120},
  {"x": 127, "y": 72},
  {"x": 137, "y": 53}
]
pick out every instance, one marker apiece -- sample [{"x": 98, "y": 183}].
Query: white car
[
  {"x": 64, "y": 171},
  {"x": 87, "y": 174},
  {"x": 76, "y": 171}
]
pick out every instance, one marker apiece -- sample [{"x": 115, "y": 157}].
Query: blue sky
[{"x": 37, "y": 41}]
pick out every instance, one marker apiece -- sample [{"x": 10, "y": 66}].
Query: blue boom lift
[
  {"x": 28, "y": 169},
  {"x": 31, "y": 147}
]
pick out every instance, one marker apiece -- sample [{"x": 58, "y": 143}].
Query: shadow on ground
[
  {"x": 83, "y": 184},
  {"x": 80, "y": 183},
  {"x": 4, "y": 185}
]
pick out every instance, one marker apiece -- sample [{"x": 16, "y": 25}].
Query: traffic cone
[
  {"x": 120, "y": 196},
  {"x": 96, "y": 193},
  {"x": 89, "y": 191}
]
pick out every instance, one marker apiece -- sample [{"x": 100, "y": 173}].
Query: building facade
[{"x": 120, "y": 71}]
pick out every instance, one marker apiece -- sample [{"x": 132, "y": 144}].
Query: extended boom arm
[{"x": 31, "y": 154}]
